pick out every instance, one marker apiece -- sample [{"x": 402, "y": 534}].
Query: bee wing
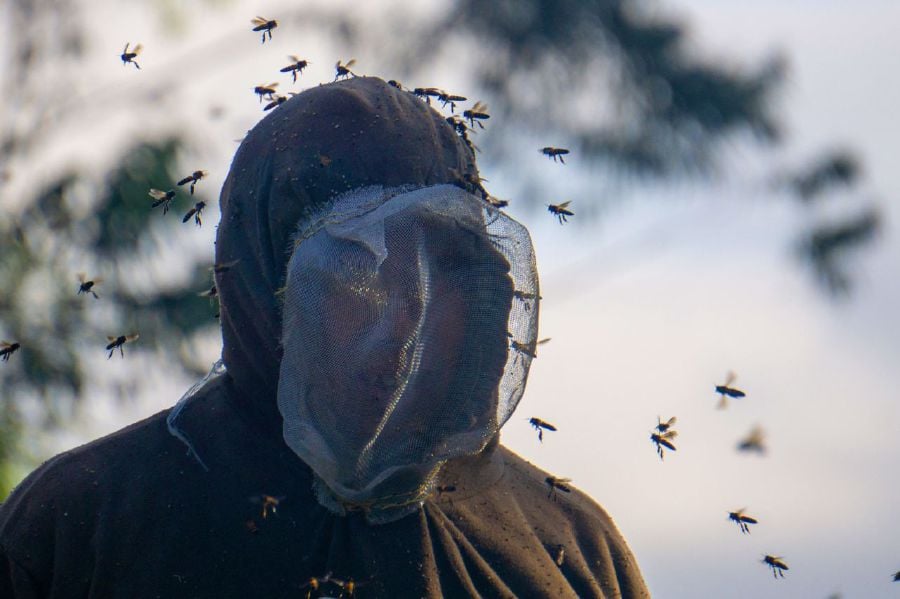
[
  {"x": 272, "y": 85},
  {"x": 4, "y": 344},
  {"x": 137, "y": 49},
  {"x": 350, "y": 63},
  {"x": 81, "y": 277},
  {"x": 125, "y": 50},
  {"x": 293, "y": 58},
  {"x": 97, "y": 280},
  {"x": 671, "y": 421},
  {"x": 111, "y": 338},
  {"x": 544, "y": 340},
  {"x": 257, "y": 20},
  {"x": 156, "y": 194},
  {"x": 669, "y": 434},
  {"x": 132, "y": 337},
  {"x": 564, "y": 205},
  {"x": 665, "y": 442},
  {"x": 730, "y": 378}
]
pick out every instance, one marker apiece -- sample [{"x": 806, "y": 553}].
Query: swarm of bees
[
  {"x": 742, "y": 520},
  {"x": 342, "y": 71},
  {"x": 265, "y": 26},
  {"x": 86, "y": 285},
  {"x": 561, "y": 211},
  {"x": 192, "y": 179},
  {"x": 118, "y": 343},
  {"x": 8, "y": 348},
  {"x": 726, "y": 390},
  {"x": 127, "y": 56},
  {"x": 663, "y": 435},
  {"x": 777, "y": 564},
  {"x": 540, "y": 426},
  {"x": 555, "y": 153},
  {"x": 296, "y": 67}
]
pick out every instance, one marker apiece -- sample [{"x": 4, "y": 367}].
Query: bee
[
  {"x": 561, "y": 211},
  {"x": 266, "y": 89},
  {"x": 8, "y": 348},
  {"x": 343, "y": 70},
  {"x": 127, "y": 56},
  {"x": 276, "y": 101},
  {"x": 161, "y": 197},
  {"x": 754, "y": 441},
  {"x": 314, "y": 583},
  {"x": 742, "y": 520},
  {"x": 450, "y": 99},
  {"x": 295, "y": 67},
  {"x": 268, "y": 502},
  {"x": 555, "y": 153},
  {"x": 118, "y": 343},
  {"x": 396, "y": 84},
  {"x": 557, "y": 484},
  {"x": 192, "y": 179},
  {"x": 777, "y": 564},
  {"x": 264, "y": 25},
  {"x": 459, "y": 125},
  {"x": 220, "y": 267},
  {"x": 664, "y": 440},
  {"x": 526, "y": 298},
  {"x": 87, "y": 285},
  {"x": 539, "y": 425},
  {"x": 664, "y": 426},
  {"x": 897, "y": 576},
  {"x": 560, "y": 555},
  {"x": 726, "y": 391},
  {"x": 522, "y": 348},
  {"x": 195, "y": 212},
  {"x": 426, "y": 93},
  {"x": 349, "y": 586},
  {"x": 497, "y": 203},
  {"x": 477, "y": 113},
  {"x": 469, "y": 182},
  {"x": 210, "y": 293}
]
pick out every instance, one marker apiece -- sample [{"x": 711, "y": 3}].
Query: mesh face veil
[{"x": 409, "y": 325}]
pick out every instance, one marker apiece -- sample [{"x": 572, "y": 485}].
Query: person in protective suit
[{"x": 376, "y": 336}]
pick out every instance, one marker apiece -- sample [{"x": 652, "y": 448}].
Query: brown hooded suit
[{"x": 133, "y": 515}]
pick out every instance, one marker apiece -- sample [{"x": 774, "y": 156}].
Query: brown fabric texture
[{"x": 132, "y": 515}]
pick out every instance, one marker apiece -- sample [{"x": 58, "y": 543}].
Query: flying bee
[
  {"x": 118, "y": 343},
  {"x": 664, "y": 426},
  {"x": 477, "y": 113},
  {"x": 426, "y": 93},
  {"x": 210, "y": 293},
  {"x": 560, "y": 555},
  {"x": 557, "y": 484},
  {"x": 195, "y": 212},
  {"x": 295, "y": 67},
  {"x": 161, "y": 197},
  {"x": 220, "y": 267},
  {"x": 754, "y": 441},
  {"x": 726, "y": 390},
  {"x": 561, "y": 211},
  {"x": 266, "y": 89},
  {"x": 268, "y": 502},
  {"x": 127, "y": 56},
  {"x": 664, "y": 440},
  {"x": 348, "y": 586},
  {"x": 742, "y": 520},
  {"x": 264, "y": 25},
  {"x": 192, "y": 179},
  {"x": 540, "y": 425},
  {"x": 87, "y": 285},
  {"x": 8, "y": 348},
  {"x": 777, "y": 564},
  {"x": 897, "y": 576},
  {"x": 343, "y": 70},
  {"x": 276, "y": 101},
  {"x": 555, "y": 153},
  {"x": 450, "y": 99},
  {"x": 314, "y": 584}
]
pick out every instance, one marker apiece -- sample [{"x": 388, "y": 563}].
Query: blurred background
[{"x": 732, "y": 174}]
